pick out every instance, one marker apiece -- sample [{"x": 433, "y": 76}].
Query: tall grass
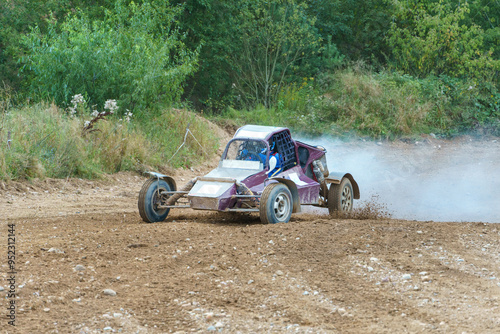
[
  {"x": 356, "y": 100},
  {"x": 47, "y": 142}
]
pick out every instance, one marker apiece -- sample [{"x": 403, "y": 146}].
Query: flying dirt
[
  {"x": 87, "y": 263},
  {"x": 430, "y": 179}
]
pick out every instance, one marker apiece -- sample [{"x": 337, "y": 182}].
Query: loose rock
[
  {"x": 342, "y": 312},
  {"x": 79, "y": 267},
  {"x": 209, "y": 316},
  {"x": 109, "y": 292},
  {"x": 55, "y": 250}
]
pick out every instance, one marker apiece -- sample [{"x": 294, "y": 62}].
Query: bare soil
[{"x": 203, "y": 271}]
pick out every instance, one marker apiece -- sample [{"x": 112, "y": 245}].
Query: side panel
[
  {"x": 314, "y": 152},
  {"x": 308, "y": 189},
  {"x": 209, "y": 195}
]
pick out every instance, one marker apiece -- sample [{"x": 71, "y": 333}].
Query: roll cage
[{"x": 248, "y": 150}]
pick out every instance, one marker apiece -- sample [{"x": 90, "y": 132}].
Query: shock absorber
[
  {"x": 187, "y": 187},
  {"x": 244, "y": 190},
  {"x": 318, "y": 171}
]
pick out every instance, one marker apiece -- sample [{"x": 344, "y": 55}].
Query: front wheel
[
  {"x": 150, "y": 197},
  {"x": 275, "y": 204},
  {"x": 340, "y": 197}
]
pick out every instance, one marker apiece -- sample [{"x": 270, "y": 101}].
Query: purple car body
[{"x": 239, "y": 182}]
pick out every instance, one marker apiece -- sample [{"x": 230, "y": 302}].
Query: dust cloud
[{"x": 430, "y": 180}]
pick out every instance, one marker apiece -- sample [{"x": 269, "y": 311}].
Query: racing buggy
[{"x": 261, "y": 170}]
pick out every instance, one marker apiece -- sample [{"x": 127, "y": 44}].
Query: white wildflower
[
  {"x": 78, "y": 98},
  {"x": 95, "y": 113},
  {"x": 86, "y": 123},
  {"x": 111, "y": 106},
  {"x": 128, "y": 116}
]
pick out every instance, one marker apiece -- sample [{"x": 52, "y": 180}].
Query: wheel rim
[
  {"x": 346, "y": 199},
  {"x": 281, "y": 207},
  {"x": 156, "y": 200}
]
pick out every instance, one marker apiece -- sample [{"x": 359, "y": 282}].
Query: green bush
[
  {"x": 135, "y": 54},
  {"x": 475, "y": 107}
]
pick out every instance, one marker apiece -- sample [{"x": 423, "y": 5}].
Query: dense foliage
[
  {"x": 17, "y": 17},
  {"x": 134, "y": 55},
  {"x": 220, "y": 55},
  {"x": 435, "y": 39},
  {"x": 358, "y": 101},
  {"x": 276, "y": 37}
]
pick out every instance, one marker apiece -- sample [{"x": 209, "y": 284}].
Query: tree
[
  {"x": 276, "y": 37},
  {"x": 437, "y": 38},
  {"x": 209, "y": 26},
  {"x": 486, "y": 14},
  {"x": 357, "y": 27}
]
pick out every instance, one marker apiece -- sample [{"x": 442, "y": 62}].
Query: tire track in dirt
[{"x": 313, "y": 274}]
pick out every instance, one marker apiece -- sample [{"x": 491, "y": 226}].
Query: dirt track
[{"x": 203, "y": 272}]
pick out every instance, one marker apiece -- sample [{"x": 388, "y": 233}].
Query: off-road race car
[{"x": 261, "y": 170}]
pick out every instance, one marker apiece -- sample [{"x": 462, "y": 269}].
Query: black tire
[
  {"x": 149, "y": 200},
  {"x": 340, "y": 197},
  {"x": 276, "y": 204}
]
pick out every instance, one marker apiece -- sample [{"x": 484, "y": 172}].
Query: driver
[
  {"x": 273, "y": 155},
  {"x": 262, "y": 156}
]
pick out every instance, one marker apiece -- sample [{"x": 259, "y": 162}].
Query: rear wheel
[
  {"x": 275, "y": 204},
  {"x": 150, "y": 198},
  {"x": 340, "y": 197}
]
